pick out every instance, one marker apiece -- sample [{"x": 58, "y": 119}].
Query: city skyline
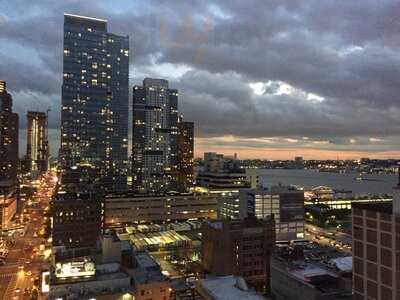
[
  {"x": 335, "y": 99},
  {"x": 199, "y": 150}
]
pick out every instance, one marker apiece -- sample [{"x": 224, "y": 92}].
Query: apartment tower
[
  {"x": 155, "y": 137},
  {"x": 94, "y": 112}
]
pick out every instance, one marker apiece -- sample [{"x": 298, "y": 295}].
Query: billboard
[{"x": 79, "y": 267}]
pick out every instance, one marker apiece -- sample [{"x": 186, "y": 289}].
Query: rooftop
[
  {"x": 85, "y": 18},
  {"x": 381, "y": 207},
  {"x": 344, "y": 264},
  {"x": 84, "y": 23},
  {"x": 144, "y": 260},
  {"x": 142, "y": 276},
  {"x": 147, "y": 269},
  {"x": 310, "y": 272},
  {"x": 155, "y": 82},
  {"x": 324, "y": 268},
  {"x": 275, "y": 189},
  {"x": 227, "y": 288}
]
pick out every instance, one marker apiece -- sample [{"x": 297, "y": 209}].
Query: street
[
  {"x": 24, "y": 262},
  {"x": 329, "y": 237}
]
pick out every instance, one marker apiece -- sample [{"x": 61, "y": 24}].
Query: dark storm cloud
[{"x": 344, "y": 52}]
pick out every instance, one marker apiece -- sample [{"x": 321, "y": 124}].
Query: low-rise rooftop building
[
  {"x": 148, "y": 281},
  {"x": 81, "y": 277},
  {"x": 302, "y": 273},
  {"x": 226, "y": 288}
]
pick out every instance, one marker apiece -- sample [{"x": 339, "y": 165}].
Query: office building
[
  {"x": 185, "y": 155},
  {"x": 376, "y": 252},
  {"x": 286, "y": 203},
  {"x": 155, "y": 137},
  {"x": 221, "y": 172},
  {"x": 94, "y": 112},
  {"x": 132, "y": 208},
  {"x": 8, "y": 136},
  {"x": 77, "y": 218},
  {"x": 239, "y": 247},
  {"x": 37, "y": 152}
]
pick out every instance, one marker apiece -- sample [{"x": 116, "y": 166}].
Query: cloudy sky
[{"x": 267, "y": 79}]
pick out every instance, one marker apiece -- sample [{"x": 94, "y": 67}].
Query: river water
[{"x": 371, "y": 185}]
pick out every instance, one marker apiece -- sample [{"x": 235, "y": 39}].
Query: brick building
[
  {"x": 376, "y": 249},
  {"x": 239, "y": 247}
]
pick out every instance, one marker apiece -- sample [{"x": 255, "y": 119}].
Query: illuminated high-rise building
[
  {"x": 8, "y": 136},
  {"x": 185, "y": 154},
  {"x": 94, "y": 116},
  {"x": 8, "y": 158},
  {"x": 155, "y": 137},
  {"x": 37, "y": 153}
]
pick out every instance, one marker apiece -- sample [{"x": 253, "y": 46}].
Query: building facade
[
  {"x": 77, "y": 219},
  {"x": 155, "y": 137},
  {"x": 239, "y": 247},
  {"x": 82, "y": 177},
  {"x": 148, "y": 280},
  {"x": 286, "y": 203},
  {"x": 8, "y": 202},
  {"x": 9, "y": 128},
  {"x": 126, "y": 209},
  {"x": 376, "y": 251},
  {"x": 37, "y": 152},
  {"x": 94, "y": 113},
  {"x": 221, "y": 172},
  {"x": 185, "y": 155}
]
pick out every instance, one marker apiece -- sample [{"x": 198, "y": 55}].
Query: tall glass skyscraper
[
  {"x": 8, "y": 136},
  {"x": 155, "y": 137},
  {"x": 94, "y": 115}
]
